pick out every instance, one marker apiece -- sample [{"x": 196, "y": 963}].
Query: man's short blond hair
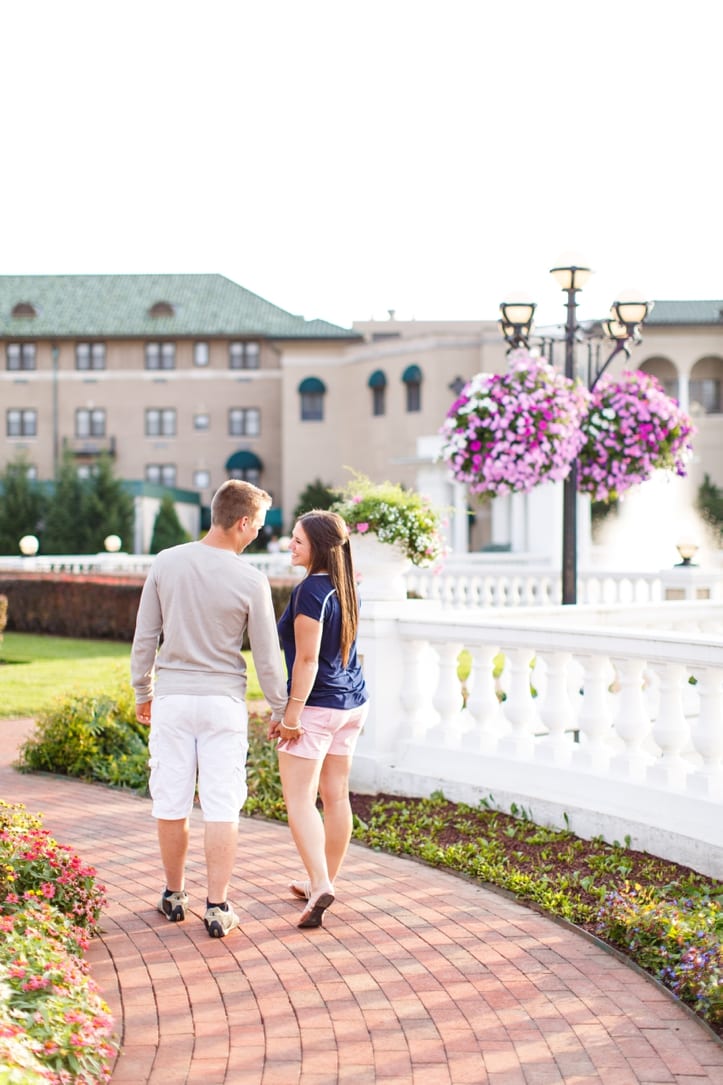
[{"x": 235, "y": 499}]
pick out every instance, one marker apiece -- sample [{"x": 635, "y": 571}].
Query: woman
[{"x": 326, "y": 708}]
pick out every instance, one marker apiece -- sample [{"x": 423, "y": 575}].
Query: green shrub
[{"x": 92, "y": 738}]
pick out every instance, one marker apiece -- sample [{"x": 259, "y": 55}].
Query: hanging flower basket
[
  {"x": 509, "y": 432},
  {"x": 633, "y": 428}
]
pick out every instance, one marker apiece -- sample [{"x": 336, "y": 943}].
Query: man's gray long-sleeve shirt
[{"x": 202, "y": 599}]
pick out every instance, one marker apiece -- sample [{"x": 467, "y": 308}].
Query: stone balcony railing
[{"x": 607, "y": 721}]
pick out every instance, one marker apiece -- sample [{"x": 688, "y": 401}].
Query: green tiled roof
[
  {"x": 98, "y": 306},
  {"x": 686, "y": 312}
]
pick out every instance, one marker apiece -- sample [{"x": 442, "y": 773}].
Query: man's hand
[{"x": 143, "y": 713}]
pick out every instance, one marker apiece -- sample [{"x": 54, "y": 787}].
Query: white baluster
[
  {"x": 519, "y": 707},
  {"x": 707, "y": 735},
  {"x": 594, "y": 721},
  {"x": 483, "y": 703},
  {"x": 556, "y": 711},
  {"x": 632, "y": 723},
  {"x": 413, "y": 695},
  {"x": 447, "y": 699},
  {"x": 670, "y": 729}
]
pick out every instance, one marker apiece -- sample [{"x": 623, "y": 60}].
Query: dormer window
[
  {"x": 161, "y": 308},
  {"x": 24, "y": 309}
]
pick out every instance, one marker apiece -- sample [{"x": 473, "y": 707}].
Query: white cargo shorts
[{"x": 200, "y": 741}]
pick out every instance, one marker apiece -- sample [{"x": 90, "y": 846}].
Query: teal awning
[
  {"x": 243, "y": 460},
  {"x": 378, "y": 379},
  {"x": 312, "y": 384},
  {"x": 412, "y": 375}
]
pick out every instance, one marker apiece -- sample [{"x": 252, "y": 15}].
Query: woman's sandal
[
  {"x": 301, "y": 889},
  {"x": 314, "y": 911}
]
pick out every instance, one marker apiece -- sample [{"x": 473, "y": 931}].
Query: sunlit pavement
[{"x": 416, "y": 978}]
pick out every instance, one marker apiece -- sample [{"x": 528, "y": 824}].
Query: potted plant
[{"x": 389, "y": 528}]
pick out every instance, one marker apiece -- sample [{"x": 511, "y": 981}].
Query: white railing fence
[{"x": 587, "y": 721}]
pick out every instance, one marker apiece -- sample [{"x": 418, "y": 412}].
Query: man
[{"x": 197, "y": 602}]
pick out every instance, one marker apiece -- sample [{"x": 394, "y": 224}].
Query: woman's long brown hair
[{"x": 331, "y": 553}]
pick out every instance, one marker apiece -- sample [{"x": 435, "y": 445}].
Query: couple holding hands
[{"x": 189, "y": 678}]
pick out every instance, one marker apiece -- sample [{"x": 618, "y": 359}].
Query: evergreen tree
[
  {"x": 21, "y": 507},
  {"x": 64, "y": 531},
  {"x": 710, "y": 505},
  {"x": 108, "y": 509},
  {"x": 167, "y": 528},
  {"x": 317, "y": 495}
]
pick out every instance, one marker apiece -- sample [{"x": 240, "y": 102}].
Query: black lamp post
[{"x": 623, "y": 329}]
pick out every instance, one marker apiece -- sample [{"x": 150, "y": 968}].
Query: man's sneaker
[
  {"x": 173, "y": 906},
  {"x": 220, "y": 922}
]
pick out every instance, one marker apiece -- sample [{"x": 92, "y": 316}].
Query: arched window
[
  {"x": 665, "y": 372},
  {"x": 412, "y": 377},
  {"x": 24, "y": 308},
  {"x": 161, "y": 308},
  {"x": 378, "y": 384},
  {"x": 244, "y": 465},
  {"x": 312, "y": 392},
  {"x": 706, "y": 385}
]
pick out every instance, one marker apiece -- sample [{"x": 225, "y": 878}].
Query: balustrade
[{"x": 591, "y": 721}]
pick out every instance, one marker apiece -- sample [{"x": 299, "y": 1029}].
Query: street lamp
[{"x": 622, "y": 329}]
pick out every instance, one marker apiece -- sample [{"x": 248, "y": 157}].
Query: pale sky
[{"x": 342, "y": 159}]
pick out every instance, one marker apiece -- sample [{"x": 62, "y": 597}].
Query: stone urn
[{"x": 380, "y": 568}]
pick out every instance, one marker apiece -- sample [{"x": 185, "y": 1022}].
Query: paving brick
[{"x": 407, "y": 983}]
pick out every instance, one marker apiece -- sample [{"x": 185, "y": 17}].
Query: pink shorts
[{"x": 327, "y": 730}]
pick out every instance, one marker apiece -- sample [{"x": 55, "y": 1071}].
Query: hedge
[{"x": 85, "y": 605}]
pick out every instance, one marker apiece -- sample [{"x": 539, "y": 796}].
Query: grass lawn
[{"x": 38, "y": 671}]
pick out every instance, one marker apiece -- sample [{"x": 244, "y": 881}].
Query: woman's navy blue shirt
[{"x": 335, "y": 686}]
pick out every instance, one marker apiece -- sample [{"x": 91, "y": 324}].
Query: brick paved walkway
[{"x": 417, "y": 978}]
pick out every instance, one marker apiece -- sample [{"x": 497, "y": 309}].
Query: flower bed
[{"x": 54, "y": 1025}]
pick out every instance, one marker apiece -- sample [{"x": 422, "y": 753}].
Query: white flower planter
[{"x": 380, "y": 567}]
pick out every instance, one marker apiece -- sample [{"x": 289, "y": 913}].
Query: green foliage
[
  {"x": 22, "y": 505},
  {"x": 108, "y": 509},
  {"x": 317, "y": 495},
  {"x": 167, "y": 528},
  {"x": 677, "y": 941},
  {"x": 92, "y": 738},
  {"x": 262, "y": 773},
  {"x": 64, "y": 530},
  {"x": 82, "y": 513},
  {"x": 710, "y": 505}
]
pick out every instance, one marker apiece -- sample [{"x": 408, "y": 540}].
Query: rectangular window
[
  {"x": 20, "y": 356},
  {"x": 163, "y": 474},
  {"x": 312, "y": 406},
  {"x": 160, "y": 355},
  {"x": 414, "y": 396},
  {"x": 201, "y": 480},
  {"x": 202, "y": 422},
  {"x": 200, "y": 354},
  {"x": 161, "y": 422},
  {"x": 244, "y": 355},
  {"x": 89, "y": 356},
  {"x": 379, "y": 400},
  {"x": 244, "y": 422},
  {"x": 22, "y": 422},
  {"x": 90, "y": 423},
  {"x": 706, "y": 392}
]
